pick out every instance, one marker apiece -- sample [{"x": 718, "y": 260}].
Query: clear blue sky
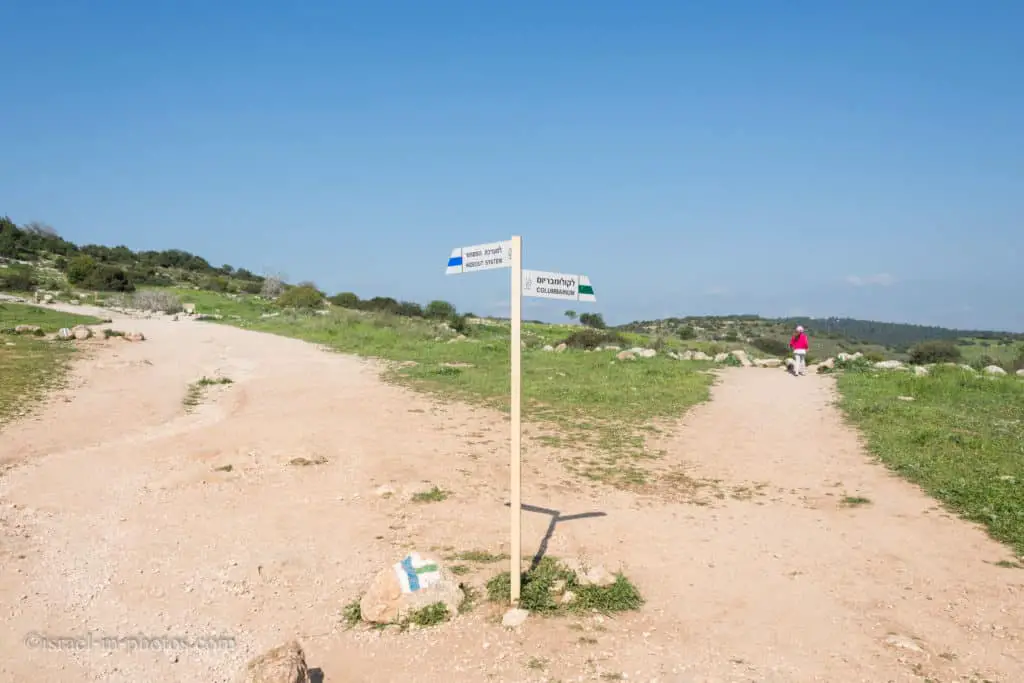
[{"x": 821, "y": 158}]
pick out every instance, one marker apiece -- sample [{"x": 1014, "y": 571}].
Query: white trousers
[{"x": 799, "y": 361}]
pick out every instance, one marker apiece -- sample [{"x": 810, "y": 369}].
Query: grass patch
[
  {"x": 29, "y": 366},
  {"x": 431, "y": 615},
  {"x": 434, "y": 495},
  {"x": 961, "y": 439},
  {"x": 478, "y": 556},
  {"x": 307, "y": 462},
  {"x": 856, "y": 501},
  {"x": 543, "y": 590},
  {"x": 352, "y": 613},
  {"x": 599, "y": 406},
  {"x": 196, "y": 390}
]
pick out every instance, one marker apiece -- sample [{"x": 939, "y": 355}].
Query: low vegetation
[
  {"x": 30, "y": 365},
  {"x": 545, "y": 589},
  {"x": 196, "y": 390},
  {"x": 961, "y": 439}
]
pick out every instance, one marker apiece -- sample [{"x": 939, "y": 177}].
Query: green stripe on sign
[
  {"x": 426, "y": 569},
  {"x": 586, "y": 289}
]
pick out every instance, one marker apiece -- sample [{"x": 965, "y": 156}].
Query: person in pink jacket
[{"x": 799, "y": 345}]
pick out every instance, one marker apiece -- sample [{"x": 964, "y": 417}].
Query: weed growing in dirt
[
  {"x": 855, "y": 501},
  {"x": 108, "y": 333},
  {"x": 431, "y": 615},
  {"x": 224, "y": 468},
  {"x": 434, "y": 495},
  {"x": 1006, "y": 564},
  {"x": 537, "y": 663},
  {"x": 478, "y": 556},
  {"x": 543, "y": 590},
  {"x": 307, "y": 462},
  {"x": 352, "y": 613},
  {"x": 194, "y": 394},
  {"x": 961, "y": 439}
]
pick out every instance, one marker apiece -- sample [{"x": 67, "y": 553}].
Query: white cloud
[{"x": 879, "y": 279}]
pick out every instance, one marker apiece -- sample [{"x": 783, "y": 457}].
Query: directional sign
[
  {"x": 480, "y": 257},
  {"x": 544, "y": 285}
]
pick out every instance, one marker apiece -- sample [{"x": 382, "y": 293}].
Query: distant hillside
[{"x": 37, "y": 257}]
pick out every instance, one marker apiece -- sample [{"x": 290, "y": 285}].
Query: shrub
[
  {"x": 215, "y": 284},
  {"x": 439, "y": 310},
  {"x": 938, "y": 351},
  {"x": 272, "y": 288},
  {"x": 594, "y": 320},
  {"x": 345, "y": 300},
  {"x": 104, "y": 278},
  {"x": 773, "y": 347},
  {"x": 252, "y": 287},
  {"x": 459, "y": 323},
  {"x": 1017, "y": 363},
  {"x": 303, "y": 297},
  {"x": 687, "y": 332},
  {"x": 155, "y": 300},
  {"x": 18, "y": 279},
  {"x": 80, "y": 268},
  {"x": 591, "y": 339}
]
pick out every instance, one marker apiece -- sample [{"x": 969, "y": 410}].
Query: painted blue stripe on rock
[
  {"x": 455, "y": 261},
  {"x": 410, "y": 571}
]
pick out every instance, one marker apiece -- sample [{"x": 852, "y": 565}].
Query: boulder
[
  {"x": 591, "y": 575},
  {"x": 419, "y": 580},
  {"x": 720, "y": 357},
  {"x": 612, "y": 347},
  {"x": 741, "y": 356},
  {"x": 994, "y": 370},
  {"x": 27, "y": 329},
  {"x": 647, "y": 353},
  {"x": 700, "y": 355},
  {"x": 829, "y": 363},
  {"x": 673, "y": 355},
  {"x": 283, "y": 664},
  {"x": 65, "y": 333},
  {"x": 767, "y": 362},
  {"x": 626, "y": 355},
  {"x": 134, "y": 337},
  {"x": 514, "y": 618},
  {"x": 81, "y": 332},
  {"x": 686, "y": 355},
  {"x": 920, "y": 370},
  {"x": 1020, "y": 373},
  {"x": 561, "y": 348},
  {"x": 849, "y": 356},
  {"x": 549, "y": 348},
  {"x": 889, "y": 365},
  {"x": 189, "y": 309}
]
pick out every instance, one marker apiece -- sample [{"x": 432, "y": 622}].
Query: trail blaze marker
[{"x": 535, "y": 283}]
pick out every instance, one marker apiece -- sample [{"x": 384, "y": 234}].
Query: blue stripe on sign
[
  {"x": 455, "y": 261},
  {"x": 410, "y": 571}
]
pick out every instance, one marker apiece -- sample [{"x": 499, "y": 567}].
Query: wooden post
[{"x": 515, "y": 471}]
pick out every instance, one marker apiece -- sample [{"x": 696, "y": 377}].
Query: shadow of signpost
[{"x": 556, "y": 518}]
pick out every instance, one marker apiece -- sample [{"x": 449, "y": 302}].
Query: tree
[
  {"x": 594, "y": 320},
  {"x": 80, "y": 269},
  {"x": 571, "y": 315},
  {"x": 439, "y": 310}
]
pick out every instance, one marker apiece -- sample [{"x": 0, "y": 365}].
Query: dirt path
[{"x": 114, "y": 522}]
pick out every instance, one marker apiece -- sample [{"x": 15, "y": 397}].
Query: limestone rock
[
  {"x": 418, "y": 581},
  {"x": 1020, "y": 373},
  {"x": 283, "y": 664},
  {"x": 889, "y": 365},
  {"x": 720, "y": 357},
  {"x": 768, "y": 362},
  {"x": 134, "y": 337},
  {"x": 549, "y": 348},
  {"x": 26, "y": 329},
  {"x": 514, "y": 618},
  {"x": 994, "y": 370},
  {"x": 81, "y": 332},
  {"x": 612, "y": 347},
  {"x": 686, "y": 355},
  {"x": 829, "y": 363},
  {"x": 700, "y": 355},
  {"x": 920, "y": 370},
  {"x": 591, "y": 575},
  {"x": 626, "y": 355},
  {"x": 561, "y": 348},
  {"x": 65, "y": 333},
  {"x": 741, "y": 356},
  {"x": 647, "y": 353}
]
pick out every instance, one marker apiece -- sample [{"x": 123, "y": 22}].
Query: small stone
[
  {"x": 283, "y": 664},
  {"x": 514, "y": 618},
  {"x": 903, "y": 643},
  {"x": 905, "y": 398}
]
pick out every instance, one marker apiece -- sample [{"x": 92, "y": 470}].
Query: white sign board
[
  {"x": 480, "y": 257},
  {"x": 545, "y": 285}
]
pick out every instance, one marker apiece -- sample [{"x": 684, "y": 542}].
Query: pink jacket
[{"x": 799, "y": 341}]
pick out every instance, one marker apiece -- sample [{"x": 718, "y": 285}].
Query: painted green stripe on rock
[
  {"x": 426, "y": 569},
  {"x": 586, "y": 289}
]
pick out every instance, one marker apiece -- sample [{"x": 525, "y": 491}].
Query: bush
[
  {"x": 18, "y": 279},
  {"x": 155, "y": 300},
  {"x": 104, "y": 278},
  {"x": 272, "y": 288},
  {"x": 1017, "y": 363},
  {"x": 215, "y": 284},
  {"x": 773, "y": 347},
  {"x": 439, "y": 310},
  {"x": 80, "y": 268},
  {"x": 302, "y": 297},
  {"x": 874, "y": 356},
  {"x": 938, "y": 351},
  {"x": 593, "y": 320},
  {"x": 687, "y": 332},
  {"x": 591, "y": 339},
  {"x": 459, "y": 323},
  {"x": 252, "y": 287},
  {"x": 345, "y": 300}
]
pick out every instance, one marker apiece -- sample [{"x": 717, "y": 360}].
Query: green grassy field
[
  {"x": 961, "y": 439},
  {"x": 30, "y": 366},
  {"x": 597, "y": 408}
]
